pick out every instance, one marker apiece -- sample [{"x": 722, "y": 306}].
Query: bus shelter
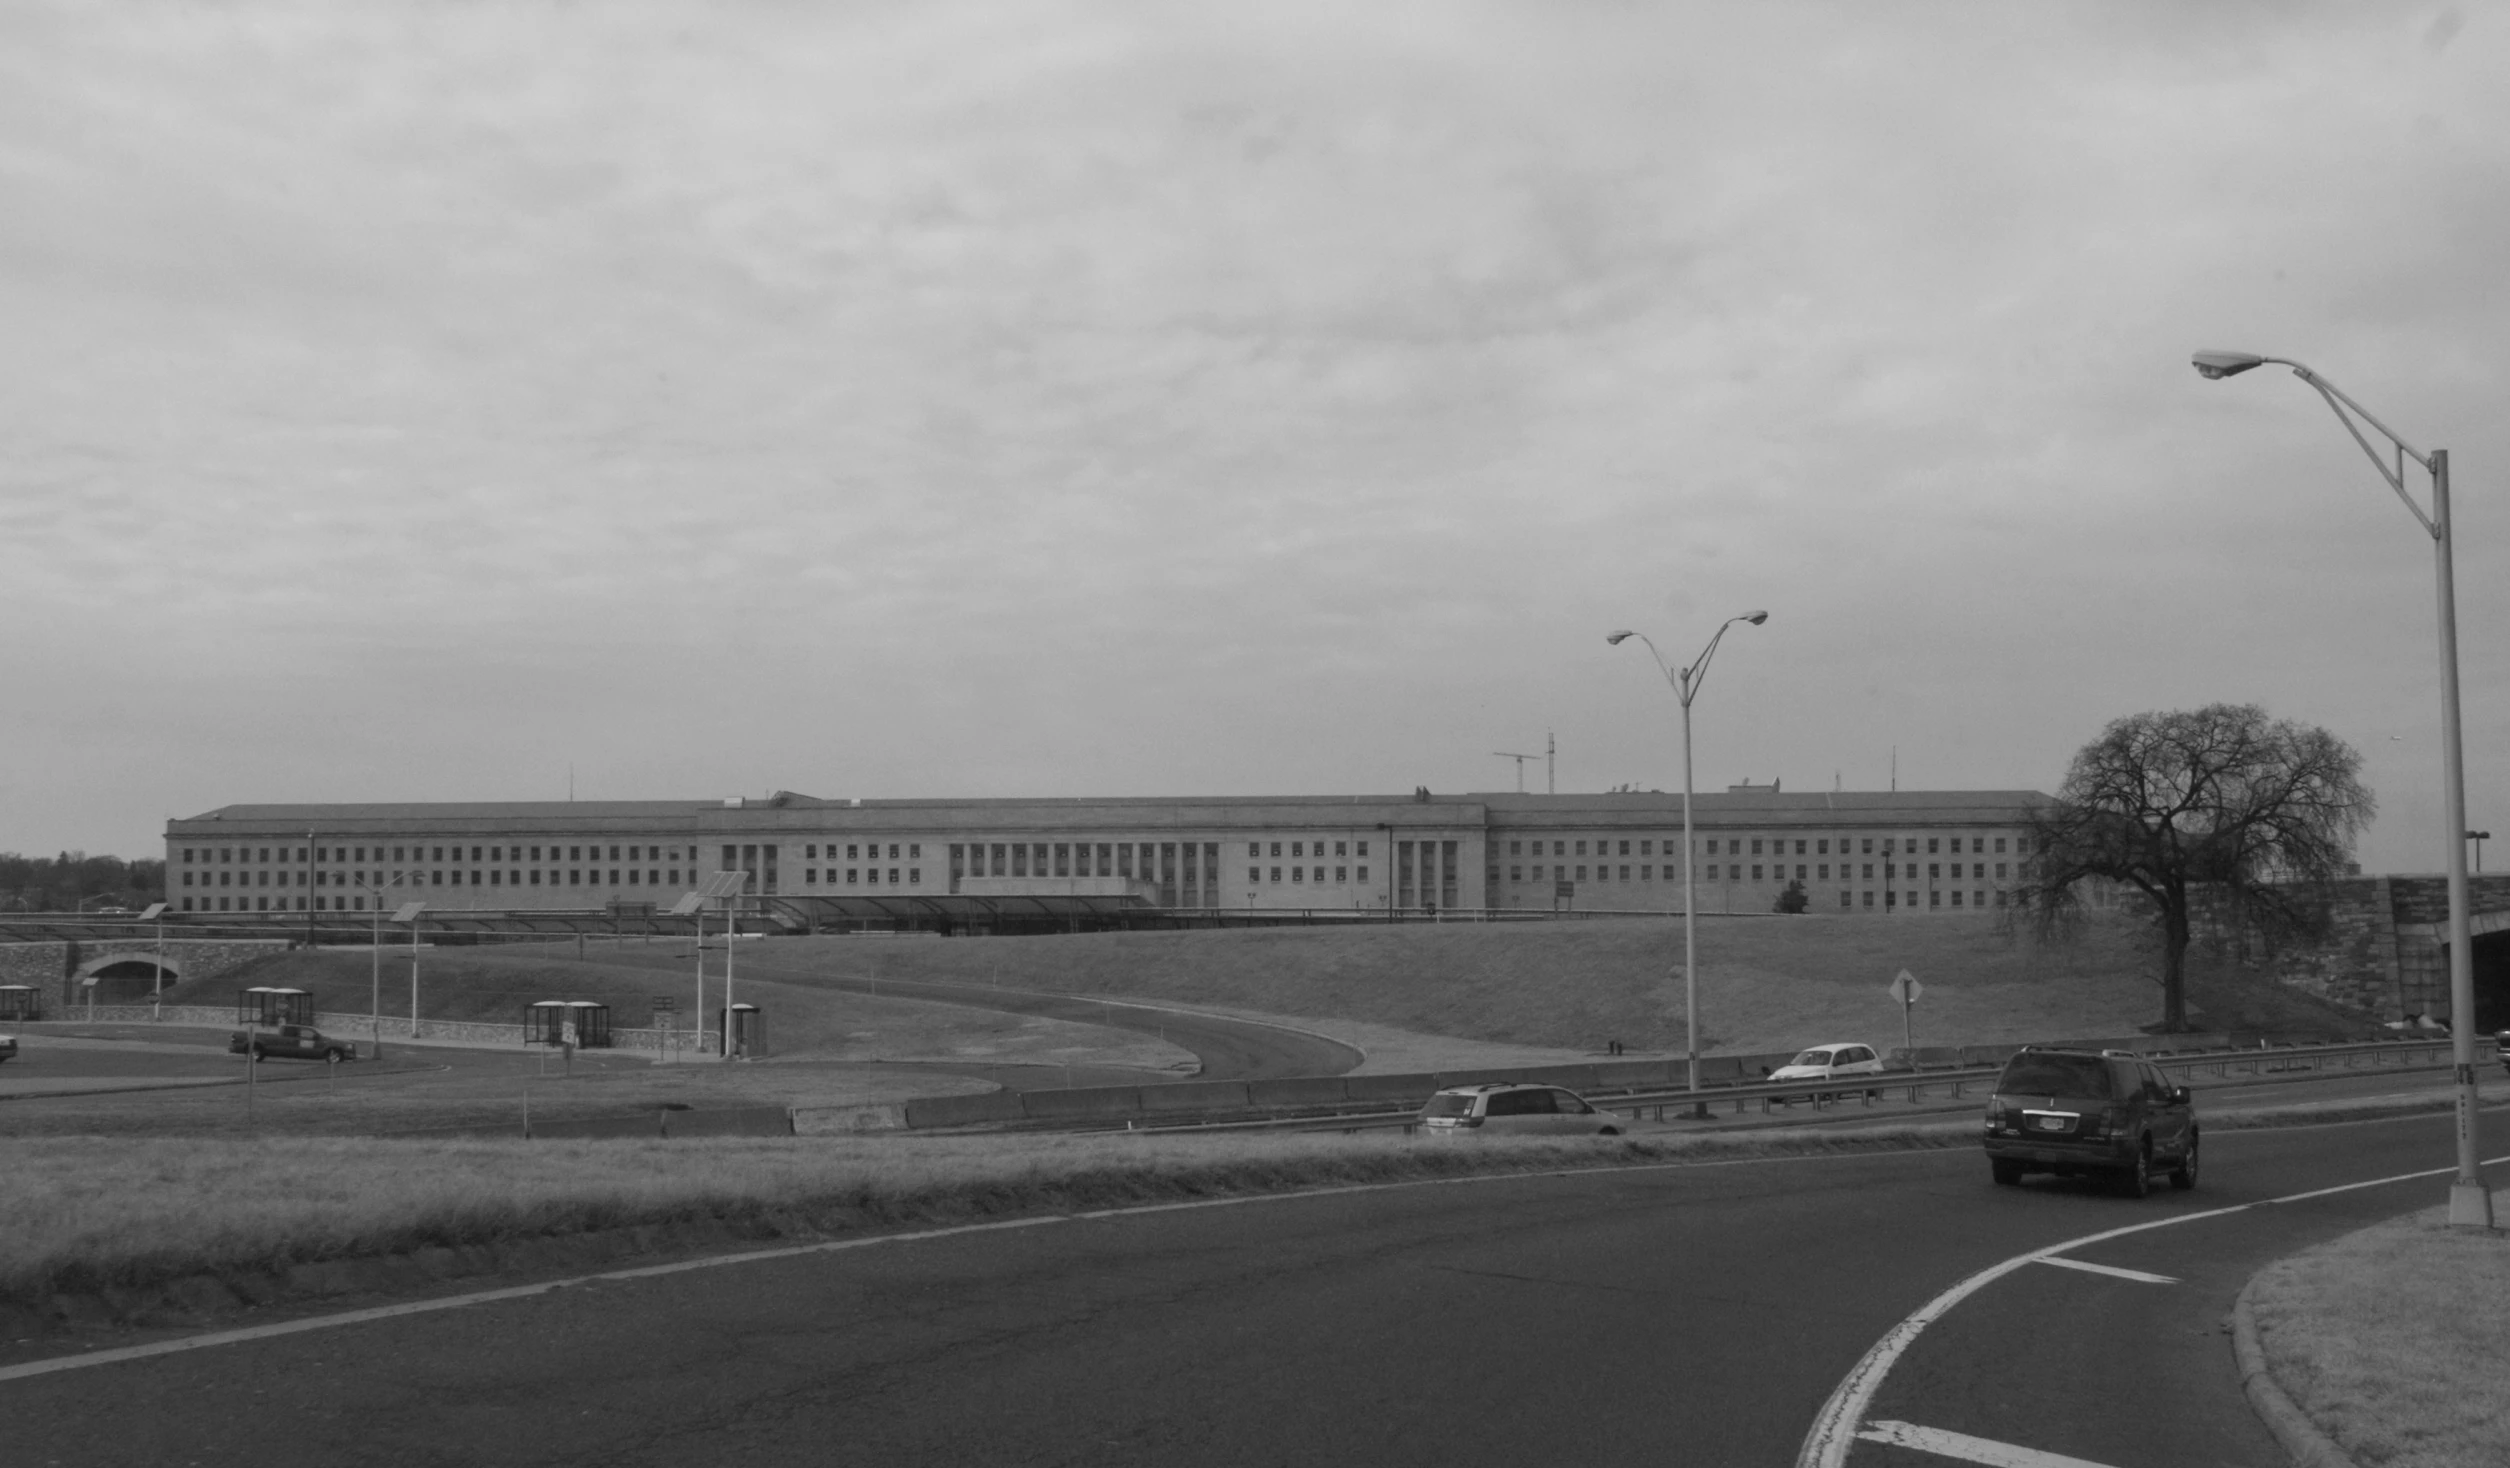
[
  {"x": 551, "y": 1021},
  {"x": 264, "y": 1004},
  {"x": 21, "y": 1001},
  {"x": 746, "y": 1027}
]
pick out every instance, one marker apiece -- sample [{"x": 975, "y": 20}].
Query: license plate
[{"x": 2049, "y": 1123}]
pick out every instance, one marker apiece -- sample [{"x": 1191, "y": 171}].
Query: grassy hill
[{"x": 1766, "y": 983}]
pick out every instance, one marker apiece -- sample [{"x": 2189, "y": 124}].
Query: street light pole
[
  {"x": 1686, "y": 684},
  {"x": 2470, "y": 1204}
]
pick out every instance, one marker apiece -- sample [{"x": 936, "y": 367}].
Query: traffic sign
[{"x": 1906, "y": 988}]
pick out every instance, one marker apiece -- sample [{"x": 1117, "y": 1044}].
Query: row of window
[
  {"x": 1298, "y": 848},
  {"x": 1149, "y": 861},
  {"x": 495, "y": 877},
  {"x": 1733, "y": 872},
  {"x": 1733, "y": 846},
  {"x": 1300, "y": 874},
  {"x": 858, "y": 876},
  {"x": 266, "y": 855},
  {"x": 1933, "y": 899}
]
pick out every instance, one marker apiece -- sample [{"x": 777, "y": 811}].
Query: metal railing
[{"x": 2298, "y": 1062}]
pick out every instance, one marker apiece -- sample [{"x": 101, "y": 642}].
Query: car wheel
[
  {"x": 2007, "y": 1172},
  {"x": 2183, "y": 1176},
  {"x": 2137, "y": 1180},
  {"x": 1610, "y": 1131}
]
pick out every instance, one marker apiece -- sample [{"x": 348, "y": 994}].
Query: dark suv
[{"x": 2073, "y": 1112}]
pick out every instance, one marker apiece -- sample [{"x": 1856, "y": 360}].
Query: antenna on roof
[{"x": 1520, "y": 765}]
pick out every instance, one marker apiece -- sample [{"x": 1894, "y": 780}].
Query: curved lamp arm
[{"x": 2215, "y": 365}]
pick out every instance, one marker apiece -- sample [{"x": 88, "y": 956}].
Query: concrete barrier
[
  {"x": 739, "y": 1121},
  {"x": 1620, "y": 1075},
  {"x": 985, "y": 1106},
  {"x": 848, "y": 1121},
  {"x": 1086, "y": 1103},
  {"x": 1317, "y": 1091},
  {"x": 1388, "y": 1089},
  {"x": 1195, "y": 1096}
]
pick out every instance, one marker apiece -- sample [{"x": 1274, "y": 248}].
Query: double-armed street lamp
[
  {"x": 2470, "y": 1205},
  {"x": 1685, "y": 683}
]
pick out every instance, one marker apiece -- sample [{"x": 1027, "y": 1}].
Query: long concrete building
[{"x": 952, "y": 862}]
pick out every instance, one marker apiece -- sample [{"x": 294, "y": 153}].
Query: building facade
[{"x": 1863, "y": 853}]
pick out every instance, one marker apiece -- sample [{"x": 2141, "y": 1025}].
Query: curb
[{"x": 2301, "y": 1439}]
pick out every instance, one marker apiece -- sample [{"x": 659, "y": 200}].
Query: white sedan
[{"x": 1830, "y": 1062}]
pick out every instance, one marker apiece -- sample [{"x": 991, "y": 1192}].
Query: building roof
[{"x": 787, "y": 810}]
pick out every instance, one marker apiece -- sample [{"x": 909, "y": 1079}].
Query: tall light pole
[
  {"x": 2470, "y": 1205},
  {"x": 1685, "y": 683}
]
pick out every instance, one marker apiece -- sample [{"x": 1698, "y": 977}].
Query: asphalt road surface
[
  {"x": 1229, "y": 1049},
  {"x": 1694, "y": 1315}
]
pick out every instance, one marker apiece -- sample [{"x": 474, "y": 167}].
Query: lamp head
[
  {"x": 1755, "y": 618},
  {"x": 1615, "y": 639},
  {"x": 2213, "y": 365}
]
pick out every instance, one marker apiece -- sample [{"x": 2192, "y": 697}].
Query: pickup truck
[{"x": 299, "y": 1042}]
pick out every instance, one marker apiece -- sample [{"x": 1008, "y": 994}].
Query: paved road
[
  {"x": 1229, "y": 1049},
  {"x": 1694, "y": 1315}
]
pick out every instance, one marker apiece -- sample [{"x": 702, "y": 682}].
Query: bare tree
[{"x": 2219, "y": 810}]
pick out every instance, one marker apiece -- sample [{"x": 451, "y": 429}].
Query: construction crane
[{"x": 1548, "y": 757}]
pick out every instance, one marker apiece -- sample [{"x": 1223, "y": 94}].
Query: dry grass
[
  {"x": 1765, "y": 983},
  {"x": 2393, "y": 1340},
  {"x": 146, "y": 1212}
]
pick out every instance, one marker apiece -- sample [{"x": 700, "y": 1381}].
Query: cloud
[{"x": 1102, "y": 397}]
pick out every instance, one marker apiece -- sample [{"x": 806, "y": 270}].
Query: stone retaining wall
[{"x": 347, "y": 1026}]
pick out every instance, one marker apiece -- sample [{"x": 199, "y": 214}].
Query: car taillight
[{"x": 2098, "y": 1123}]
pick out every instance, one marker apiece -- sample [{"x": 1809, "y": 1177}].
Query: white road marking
[
  {"x": 1835, "y": 1430},
  {"x": 1967, "y": 1448},
  {"x": 719, "y": 1261},
  {"x": 2138, "y": 1275}
]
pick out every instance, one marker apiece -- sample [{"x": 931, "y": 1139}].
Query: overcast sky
[{"x": 417, "y": 401}]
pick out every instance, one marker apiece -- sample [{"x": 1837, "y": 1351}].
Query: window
[
  {"x": 1254, "y": 874},
  {"x": 914, "y": 851},
  {"x": 1276, "y": 871},
  {"x": 1843, "y": 899},
  {"x": 1581, "y": 848},
  {"x": 1363, "y": 871},
  {"x": 1340, "y": 874},
  {"x": 1298, "y": 874},
  {"x": 1799, "y": 850},
  {"x": 1276, "y": 848},
  {"x": 1934, "y": 899},
  {"x": 1362, "y": 852},
  {"x": 1516, "y": 874},
  {"x": 1646, "y": 874},
  {"x": 1930, "y": 846},
  {"x": 1647, "y": 848},
  {"x": 1516, "y": 848},
  {"x": 1253, "y": 848},
  {"x": 1581, "y": 872},
  {"x": 1869, "y": 847},
  {"x": 2000, "y": 871},
  {"x": 1298, "y": 848},
  {"x": 1756, "y": 846},
  {"x": 1869, "y": 897},
  {"x": 1825, "y": 871},
  {"x": 1933, "y": 871},
  {"x": 2000, "y": 846},
  {"x": 1625, "y": 871},
  {"x": 1625, "y": 848},
  {"x": 1756, "y": 867},
  {"x": 1956, "y": 899}
]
